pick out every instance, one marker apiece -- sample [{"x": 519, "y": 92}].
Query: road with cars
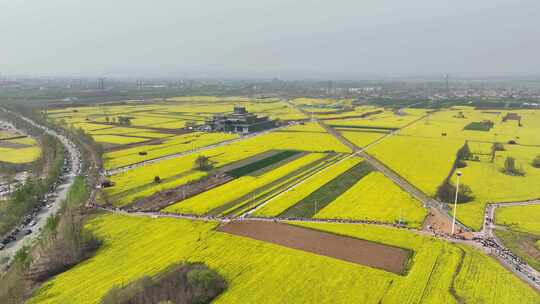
[
  {"x": 495, "y": 247},
  {"x": 485, "y": 239},
  {"x": 48, "y": 205}
]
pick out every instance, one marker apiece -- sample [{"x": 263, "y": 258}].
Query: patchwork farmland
[{"x": 336, "y": 202}]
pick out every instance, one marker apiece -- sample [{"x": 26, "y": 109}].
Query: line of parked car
[{"x": 46, "y": 202}]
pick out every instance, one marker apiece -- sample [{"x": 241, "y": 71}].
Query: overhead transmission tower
[
  {"x": 101, "y": 83},
  {"x": 447, "y": 78}
]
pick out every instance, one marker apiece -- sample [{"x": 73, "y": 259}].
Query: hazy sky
[{"x": 296, "y": 38}]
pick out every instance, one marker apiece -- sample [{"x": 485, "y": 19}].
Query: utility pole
[
  {"x": 455, "y": 201},
  {"x": 101, "y": 83}
]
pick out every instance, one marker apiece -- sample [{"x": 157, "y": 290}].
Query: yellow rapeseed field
[
  {"x": 520, "y": 218},
  {"x": 172, "y": 145},
  {"x": 90, "y": 127},
  {"x": 19, "y": 156},
  {"x": 489, "y": 184},
  {"x": 309, "y": 137},
  {"x": 206, "y": 201},
  {"x": 135, "y": 246},
  {"x": 361, "y": 138},
  {"x": 480, "y": 279},
  {"x": 113, "y": 130},
  {"x": 425, "y": 162},
  {"x": 280, "y": 203},
  {"x": 174, "y": 112},
  {"x": 375, "y": 197},
  {"x": 7, "y": 134},
  {"x": 386, "y": 119},
  {"x": 27, "y": 150},
  {"x": 139, "y": 182},
  {"x": 424, "y": 152},
  {"x": 117, "y": 139}
]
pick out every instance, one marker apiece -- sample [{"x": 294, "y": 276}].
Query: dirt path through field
[{"x": 349, "y": 249}]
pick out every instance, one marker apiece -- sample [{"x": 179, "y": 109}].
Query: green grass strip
[
  {"x": 265, "y": 162},
  {"x": 253, "y": 196},
  {"x": 270, "y": 192},
  {"x": 323, "y": 196}
]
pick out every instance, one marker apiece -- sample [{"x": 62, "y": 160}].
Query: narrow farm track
[
  {"x": 522, "y": 270},
  {"x": 489, "y": 219},
  {"x": 501, "y": 253},
  {"x": 293, "y": 186},
  {"x": 356, "y": 152},
  {"x": 221, "y": 219},
  {"x": 389, "y": 173},
  {"x": 381, "y": 167}
]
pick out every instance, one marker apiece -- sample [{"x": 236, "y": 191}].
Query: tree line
[
  {"x": 63, "y": 243},
  {"x": 447, "y": 190},
  {"x": 28, "y": 196},
  {"x": 180, "y": 284}
]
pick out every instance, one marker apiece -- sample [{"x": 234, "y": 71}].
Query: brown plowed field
[{"x": 349, "y": 249}]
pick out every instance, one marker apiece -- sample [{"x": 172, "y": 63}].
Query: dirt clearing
[
  {"x": 389, "y": 258},
  {"x": 439, "y": 223}
]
